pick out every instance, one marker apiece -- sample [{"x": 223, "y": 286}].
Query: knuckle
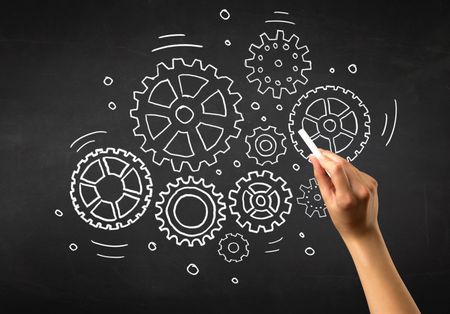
[
  {"x": 365, "y": 194},
  {"x": 347, "y": 202}
]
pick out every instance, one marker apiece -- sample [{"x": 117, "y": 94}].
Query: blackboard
[{"x": 69, "y": 69}]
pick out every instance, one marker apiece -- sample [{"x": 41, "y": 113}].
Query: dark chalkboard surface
[{"x": 150, "y": 160}]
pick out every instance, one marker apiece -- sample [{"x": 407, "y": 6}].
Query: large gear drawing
[
  {"x": 186, "y": 114},
  {"x": 265, "y": 145},
  {"x": 260, "y": 201},
  {"x": 233, "y": 247},
  {"x": 312, "y": 199},
  {"x": 182, "y": 197},
  {"x": 278, "y": 64},
  {"x": 110, "y": 188},
  {"x": 334, "y": 117}
]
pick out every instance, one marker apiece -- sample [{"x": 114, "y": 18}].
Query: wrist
[{"x": 363, "y": 240}]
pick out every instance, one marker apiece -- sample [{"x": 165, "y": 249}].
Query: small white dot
[
  {"x": 237, "y": 163},
  {"x": 112, "y": 105},
  {"x": 224, "y": 14},
  {"x": 227, "y": 43},
  {"x": 234, "y": 280},
  {"x": 309, "y": 251},
  {"x": 260, "y": 57},
  {"x": 352, "y": 68},
  {"x": 263, "y": 118},
  {"x": 279, "y": 107},
  {"x": 301, "y": 235},
  {"x": 296, "y": 167},
  {"x": 73, "y": 247},
  {"x": 255, "y": 105},
  {"x": 58, "y": 213},
  {"x": 218, "y": 172},
  {"x": 152, "y": 246},
  {"x": 192, "y": 269},
  {"x": 331, "y": 70},
  {"x": 108, "y": 81}
]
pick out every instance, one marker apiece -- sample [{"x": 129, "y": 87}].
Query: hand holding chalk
[{"x": 309, "y": 142}]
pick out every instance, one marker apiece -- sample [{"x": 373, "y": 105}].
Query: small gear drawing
[
  {"x": 265, "y": 145},
  {"x": 278, "y": 64},
  {"x": 233, "y": 247},
  {"x": 335, "y": 119},
  {"x": 176, "y": 206},
  {"x": 186, "y": 114},
  {"x": 312, "y": 199},
  {"x": 260, "y": 201},
  {"x": 110, "y": 188}
]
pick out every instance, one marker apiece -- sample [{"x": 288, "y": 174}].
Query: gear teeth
[
  {"x": 356, "y": 105},
  {"x": 167, "y": 226},
  {"x": 180, "y": 66},
  {"x": 251, "y": 63},
  {"x": 85, "y": 212},
  {"x": 243, "y": 214}
]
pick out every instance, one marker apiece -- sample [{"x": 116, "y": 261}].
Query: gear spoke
[
  {"x": 199, "y": 83},
  {"x": 340, "y": 103},
  {"x": 91, "y": 202}
]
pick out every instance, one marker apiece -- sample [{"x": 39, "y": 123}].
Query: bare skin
[{"x": 351, "y": 198}]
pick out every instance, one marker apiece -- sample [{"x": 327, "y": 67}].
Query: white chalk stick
[{"x": 309, "y": 142}]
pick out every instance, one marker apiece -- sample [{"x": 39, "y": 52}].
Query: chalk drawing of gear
[
  {"x": 260, "y": 201},
  {"x": 233, "y": 247},
  {"x": 178, "y": 211},
  {"x": 265, "y": 145},
  {"x": 186, "y": 114},
  {"x": 335, "y": 119},
  {"x": 278, "y": 64},
  {"x": 312, "y": 199},
  {"x": 111, "y": 188}
]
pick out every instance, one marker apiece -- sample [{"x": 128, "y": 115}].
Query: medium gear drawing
[
  {"x": 233, "y": 247},
  {"x": 110, "y": 188},
  {"x": 176, "y": 205},
  {"x": 334, "y": 117},
  {"x": 265, "y": 145},
  {"x": 186, "y": 114},
  {"x": 260, "y": 201},
  {"x": 312, "y": 199},
  {"x": 278, "y": 63}
]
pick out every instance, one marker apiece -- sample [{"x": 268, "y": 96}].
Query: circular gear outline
[
  {"x": 356, "y": 105},
  {"x": 301, "y": 52},
  {"x": 243, "y": 219},
  {"x": 147, "y": 186},
  {"x": 230, "y": 256},
  {"x": 253, "y": 152},
  {"x": 312, "y": 206},
  {"x": 175, "y": 69},
  {"x": 164, "y": 219}
]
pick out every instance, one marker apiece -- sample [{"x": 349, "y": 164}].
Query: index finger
[{"x": 338, "y": 176}]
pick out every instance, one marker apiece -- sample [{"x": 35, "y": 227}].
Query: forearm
[{"x": 384, "y": 289}]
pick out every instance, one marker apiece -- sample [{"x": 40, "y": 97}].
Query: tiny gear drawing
[
  {"x": 335, "y": 119},
  {"x": 111, "y": 188},
  {"x": 176, "y": 205},
  {"x": 186, "y": 114},
  {"x": 233, "y": 247},
  {"x": 278, "y": 63},
  {"x": 260, "y": 201},
  {"x": 265, "y": 145},
  {"x": 312, "y": 199}
]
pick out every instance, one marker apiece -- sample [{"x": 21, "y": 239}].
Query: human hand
[{"x": 349, "y": 194}]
